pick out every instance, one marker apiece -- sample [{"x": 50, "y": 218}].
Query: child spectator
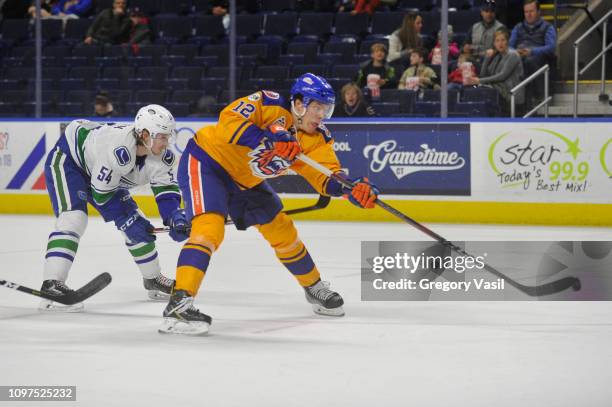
[
  {"x": 382, "y": 73},
  {"x": 419, "y": 75},
  {"x": 352, "y": 103},
  {"x": 365, "y": 6},
  {"x": 435, "y": 56},
  {"x": 460, "y": 75}
]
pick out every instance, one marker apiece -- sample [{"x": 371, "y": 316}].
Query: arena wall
[{"x": 555, "y": 172}]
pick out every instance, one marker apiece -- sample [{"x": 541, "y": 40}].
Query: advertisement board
[{"x": 542, "y": 162}]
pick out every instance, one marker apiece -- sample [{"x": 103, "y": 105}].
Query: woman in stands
[
  {"x": 352, "y": 103},
  {"x": 403, "y": 40},
  {"x": 502, "y": 70}
]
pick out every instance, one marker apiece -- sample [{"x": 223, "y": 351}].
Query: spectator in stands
[
  {"x": 435, "y": 56},
  {"x": 45, "y": 8},
  {"x": 365, "y": 6},
  {"x": 111, "y": 26},
  {"x": 140, "y": 33},
  {"x": 72, "y": 8},
  {"x": 535, "y": 40},
  {"x": 479, "y": 40},
  {"x": 352, "y": 103},
  {"x": 103, "y": 106},
  {"x": 405, "y": 39},
  {"x": 377, "y": 66},
  {"x": 459, "y": 76},
  {"x": 219, "y": 7},
  {"x": 502, "y": 70},
  {"x": 419, "y": 75}
]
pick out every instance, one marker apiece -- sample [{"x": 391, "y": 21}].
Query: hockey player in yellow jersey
[{"x": 222, "y": 173}]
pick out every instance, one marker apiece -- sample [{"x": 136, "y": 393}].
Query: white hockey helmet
[{"x": 156, "y": 120}]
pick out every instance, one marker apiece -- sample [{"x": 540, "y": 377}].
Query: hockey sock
[
  {"x": 61, "y": 249},
  {"x": 145, "y": 256},
  {"x": 300, "y": 264},
  {"x": 191, "y": 267}
]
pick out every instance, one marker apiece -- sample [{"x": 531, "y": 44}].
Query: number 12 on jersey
[{"x": 244, "y": 109}]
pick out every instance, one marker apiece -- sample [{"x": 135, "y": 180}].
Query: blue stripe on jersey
[
  {"x": 246, "y": 122},
  {"x": 251, "y": 137}
]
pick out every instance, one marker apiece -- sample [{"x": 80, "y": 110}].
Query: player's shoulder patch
[
  {"x": 271, "y": 98},
  {"x": 254, "y": 97},
  {"x": 123, "y": 156},
  {"x": 325, "y": 133},
  {"x": 168, "y": 158}
]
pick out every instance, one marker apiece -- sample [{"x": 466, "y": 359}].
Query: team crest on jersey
[
  {"x": 168, "y": 158},
  {"x": 254, "y": 97},
  {"x": 122, "y": 154},
  {"x": 270, "y": 94},
  {"x": 281, "y": 121},
  {"x": 265, "y": 164}
]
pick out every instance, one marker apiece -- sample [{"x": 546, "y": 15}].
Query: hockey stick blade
[
  {"x": 533, "y": 291},
  {"x": 80, "y": 295},
  {"x": 321, "y": 203}
]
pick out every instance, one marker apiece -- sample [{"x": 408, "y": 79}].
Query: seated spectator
[
  {"x": 72, "y": 8},
  {"x": 103, "y": 106},
  {"x": 379, "y": 67},
  {"x": 435, "y": 56},
  {"x": 403, "y": 40},
  {"x": 45, "y": 8},
  {"x": 535, "y": 40},
  {"x": 352, "y": 103},
  {"x": 479, "y": 41},
  {"x": 365, "y": 6},
  {"x": 419, "y": 75},
  {"x": 460, "y": 75},
  {"x": 140, "y": 33},
  {"x": 502, "y": 70},
  {"x": 111, "y": 26}
]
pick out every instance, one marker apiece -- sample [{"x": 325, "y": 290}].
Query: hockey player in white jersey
[{"x": 99, "y": 163}]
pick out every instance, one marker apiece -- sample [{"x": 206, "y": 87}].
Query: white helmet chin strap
[{"x": 295, "y": 112}]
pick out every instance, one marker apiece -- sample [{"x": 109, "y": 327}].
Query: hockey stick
[
  {"x": 533, "y": 291},
  {"x": 321, "y": 203},
  {"x": 80, "y": 295}
]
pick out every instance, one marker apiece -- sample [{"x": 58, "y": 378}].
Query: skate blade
[
  {"x": 177, "y": 327},
  {"x": 156, "y": 295},
  {"x": 328, "y": 312},
  {"x": 52, "y": 306}
]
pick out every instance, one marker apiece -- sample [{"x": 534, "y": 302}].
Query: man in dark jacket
[
  {"x": 377, "y": 65},
  {"x": 111, "y": 26},
  {"x": 535, "y": 40}
]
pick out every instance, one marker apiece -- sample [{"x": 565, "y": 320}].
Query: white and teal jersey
[{"x": 107, "y": 153}]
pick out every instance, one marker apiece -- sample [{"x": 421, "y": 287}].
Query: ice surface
[{"x": 266, "y": 348}]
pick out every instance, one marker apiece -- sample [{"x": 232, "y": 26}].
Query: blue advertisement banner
[{"x": 402, "y": 158}]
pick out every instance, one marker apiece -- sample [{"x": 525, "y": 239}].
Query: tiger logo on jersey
[{"x": 265, "y": 164}]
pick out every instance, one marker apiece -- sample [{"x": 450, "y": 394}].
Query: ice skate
[
  {"x": 56, "y": 287},
  {"x": 158, "y": 288},
  {"x": 181, "y": 317},
  {"x": 324, "y": 301}
]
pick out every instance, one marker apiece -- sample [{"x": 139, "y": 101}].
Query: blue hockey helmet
[{"x": 310, "y": 87}]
